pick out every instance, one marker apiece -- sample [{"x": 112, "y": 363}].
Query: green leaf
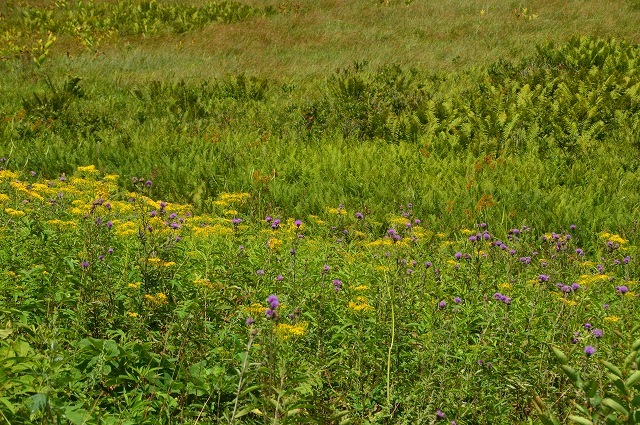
[
  {"x": 580, "y": 420},
  {"x": 572, "y": 374},
  {"x": 632, "y": 379},
  {"x": 77, "y": 416},
  {"x": 613, "y": 368},
  {"x": 39, "y": 402},
  {"x": 618, "y": 383},
  {"x": 636, "y": 345},
  {"x": 615, "y": 406},
  {"x": 562, "y": 358},
  {"x": 630, "y": 359},
  {"x": 8, "y": 404}
]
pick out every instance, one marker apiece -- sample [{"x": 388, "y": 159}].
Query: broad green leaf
[
  {"x": 613, "y": 368},
  {"x": 580, "y": 420},
  {"x": 632, "y": 379},
  {"x": 636, "y": 345},
  {"x": 562, "y": 358},
  {"x": 615, "y": 406},
  {"x": 572, "y": 374}
]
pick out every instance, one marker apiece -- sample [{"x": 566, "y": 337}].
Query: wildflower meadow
[{"x": 365, "y": 243}]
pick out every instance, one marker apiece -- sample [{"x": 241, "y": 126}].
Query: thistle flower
[
  {"x": 622, "y": 289},
  {"x": 442, "y": 304},
  {"x": 457, "y": 300},
  {"x": 249, "y": 321},
  {"x": 359, "y": 216},
  {"x": 589, "y": 350},
  {"x": 440, "y": 416},
  {"x": 260, "y": 272},
  {"x": 597, "y": 333},
  {"x": 273, "y": 301}
]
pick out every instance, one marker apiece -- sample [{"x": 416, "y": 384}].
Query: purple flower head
[
  {"x": 279, "y": 278},
  {"x": 579, "y": 251},
  {"x": 148, "y": 183},
  {"x": 626, "y": 259},
  {"x": 292, "y": 251},
  {"x": 457, "y": 300},
  {"x": 587, "y": 326},
  {"x": 337, "y": 284},
  {"x": 134, "y": 180},
  {"x": 110, "y": 250},
  {"x": 163, "y": 205},
  {"x": 606, "y": 306},
  {"x": 622, "y": 289},
  {"x": 428, "y": 264},
  {"x": 409, "y": 271},
  {"x": 273, "y": 301},
  {"x": 260, "y": 272},
  {"x": 483, "y": 225},
  {"x": 269, "y": 313},
  {"x": 572, "y": 227},
  {"x": 416, "y": 221},
  {"x": 359, "y": 216},
  {"x": 268, "y": 219},
  {"x": 153, "y": 213},
  {"x": 440, "y": 416},
  {"x": 249, "y": 321},
  {"x": 442, "y": 304},
  {"x": 473, "y": 238},
  {"x": 597, "y": 333},
  {"x": 616, "y": 262},
  {"x": 458, "y": 255},
  {"x": 566, "y": 289},
  {"x": 236, "y": 221},
  {"x": 326, "y": 268},
  {"x": 543, "y": 278},
  {"x": 600, "y": 268},
  {"x": 589, "y": 350},
  {"x": 298, "y": 223},
  {"x": 101, "y": 257},
  {"x": 84, "y": 264},
  {"x": 575, "y": 286}
]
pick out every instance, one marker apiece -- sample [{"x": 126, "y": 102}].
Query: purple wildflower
[
  {"x": 249, "y": 321},
  {"x": 260, "y": 272},
  {"x": 589, "y": 350},
  {"x": 440, "y": 416},
  {"x": 279, "y": 278},
  {"x": 273, "y": 301},
  {"x": 597, "y": 333},
  {"x": 457, "y": 300},
  {"x": 298, "y": 223},
  {"x": 622, "y": 289},
  {"x": 359, "y": 216},
  {"x": 236, "y": 221},
  {"x": 442, "y": 304},
  {"x": 84, "y": 264}
]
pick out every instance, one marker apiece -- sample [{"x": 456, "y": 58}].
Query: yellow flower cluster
[
  {"x": 274, "y": 244},
  {"x": 225, "y": 199},
  {"x": 587, "y": 279},
  {"x": 158, "y": 299},
  {"x": 613, "y": 238},
  {"x": 286, "y": 331},
  {"x": 14, "y": 213},
  {"x": 360, "y": 304},
  {"x": 62, "y": 224}
]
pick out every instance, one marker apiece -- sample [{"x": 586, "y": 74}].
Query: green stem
[{"x": 393, "y": 334}]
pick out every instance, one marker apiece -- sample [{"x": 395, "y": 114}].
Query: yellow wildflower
[
  {"x": 274, "y": 244},
  {"x": 132, "y": 314},
  {"x": 286, "y": 331},
  {"x": 134, "y": 285},
  {"x": 361, "y": 288},
  {"x": 14, "y": 213},
  {"x": 360, "y": 304},
  {"x": 613, "y": 319},
  {"x": 88, "y": 169}
]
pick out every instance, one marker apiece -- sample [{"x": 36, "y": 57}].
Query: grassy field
[{"x": 319, "y": 212}]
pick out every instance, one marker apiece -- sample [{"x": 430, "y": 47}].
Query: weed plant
[{"x": 119, "y": 307}]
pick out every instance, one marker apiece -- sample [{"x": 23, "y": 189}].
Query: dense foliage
[{"x": 381, "y": 245}]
